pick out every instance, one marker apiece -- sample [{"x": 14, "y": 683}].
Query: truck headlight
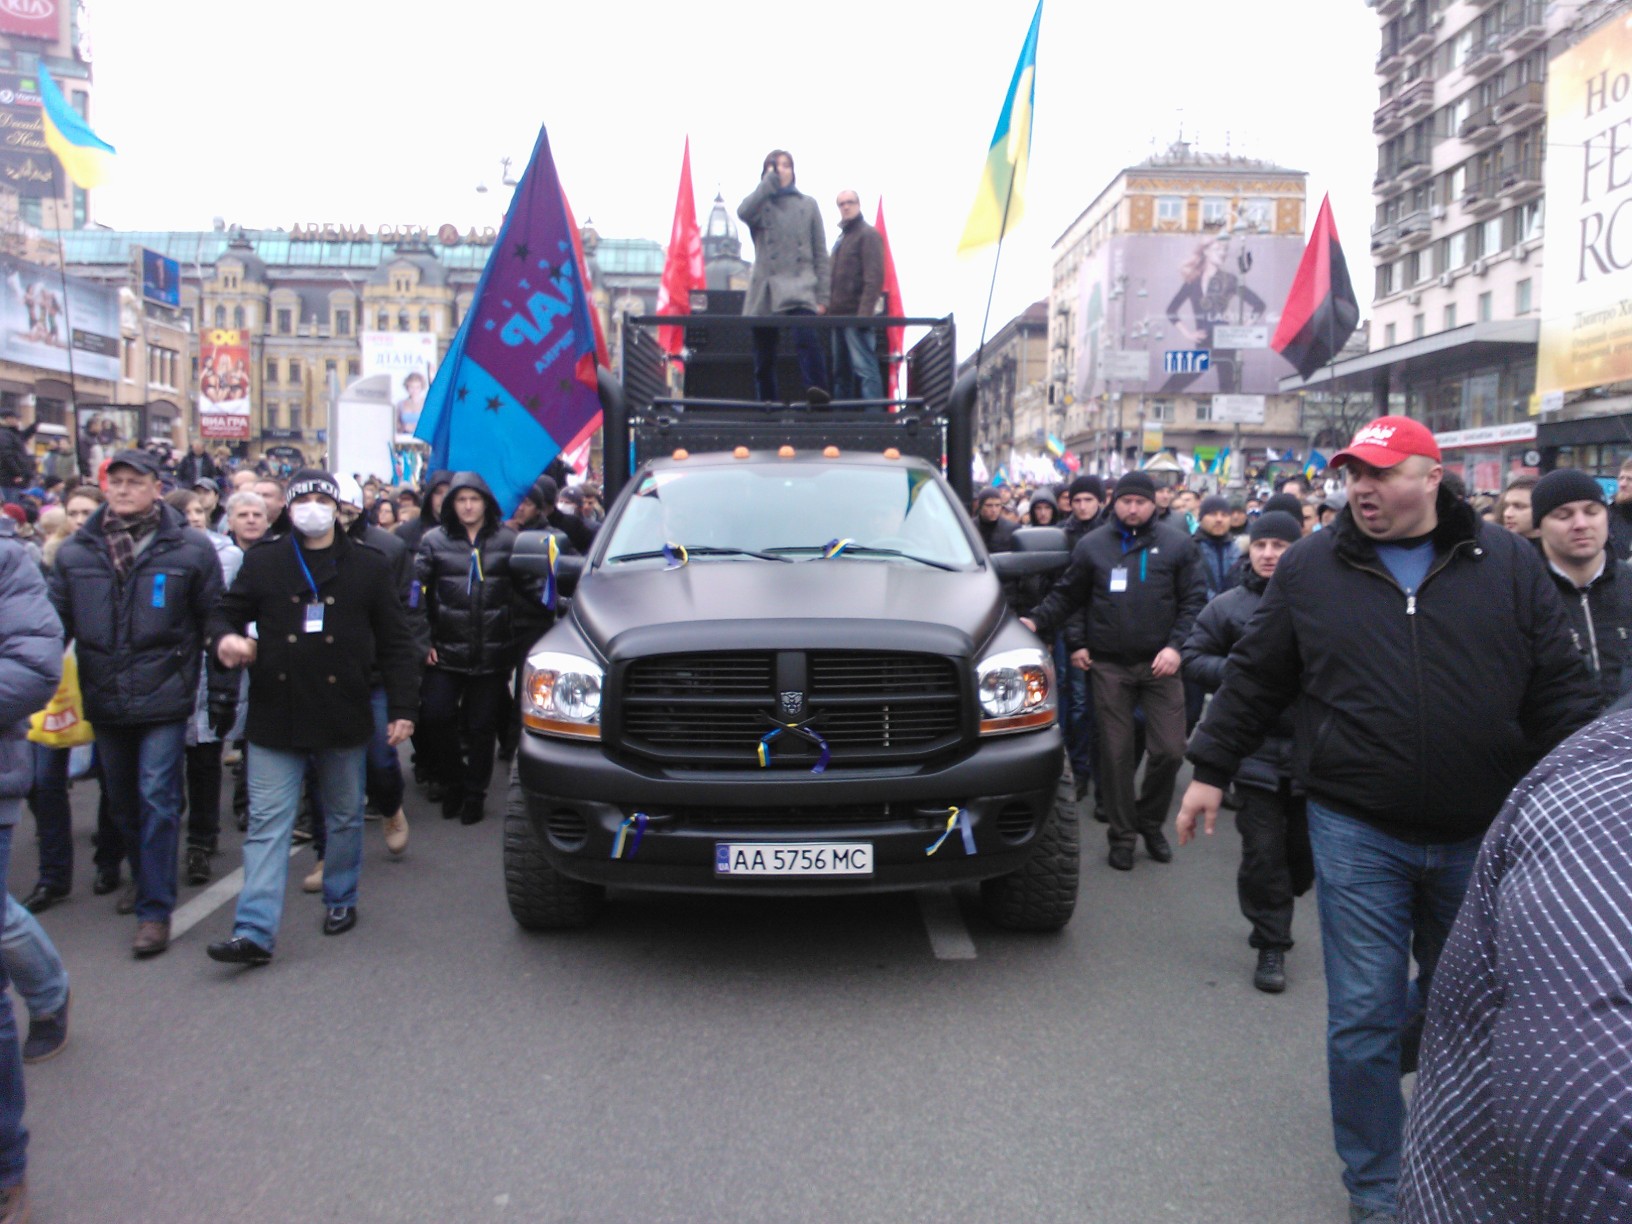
[
  {"x": 561, "y": 695},
  {"x": 1017, "y": 691}
]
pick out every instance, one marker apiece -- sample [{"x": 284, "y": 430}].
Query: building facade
[
  {"x": 1011, "y": 396},
  {"x": 1166, "y": 290}
]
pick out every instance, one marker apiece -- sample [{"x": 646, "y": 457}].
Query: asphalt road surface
[{"x": 689, "y": 1059}]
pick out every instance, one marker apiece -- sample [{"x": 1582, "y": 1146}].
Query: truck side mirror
[
  {"x": 1037, "y": 550},
  {"x": 531, "y": 556}
]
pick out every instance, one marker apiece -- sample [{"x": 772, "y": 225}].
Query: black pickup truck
[{"x": 788, "y": 666}]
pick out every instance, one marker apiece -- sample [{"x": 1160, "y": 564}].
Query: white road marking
[
  {"x": 186, "y": 917},
  {"x": 948, "y": 936}
]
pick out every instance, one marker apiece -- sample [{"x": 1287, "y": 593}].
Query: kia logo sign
[{"x": 32, "y": 10}]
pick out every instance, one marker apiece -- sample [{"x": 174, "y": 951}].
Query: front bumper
[{"x": 578, "y": 799}]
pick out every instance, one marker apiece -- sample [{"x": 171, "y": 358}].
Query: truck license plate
[{"x": 793, "y": 858}]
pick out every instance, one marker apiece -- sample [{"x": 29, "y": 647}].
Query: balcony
[
  {"x": 1486, "y": 54},
  {"x": 1480, "y": 127},
  {"x": 1413, "y": 168},
  {"x": 1387, "y": 120},
  {"x": 1385, "y": 238},
  {"x": 1527, "y": 30},
  {"x": 1480, "y": 198},
  {"x": 1390, "y": 8},
  {"x": 1519, "y": 181},
  {"x": 1383, "y": 179},
  {"x": 1416, "y": 101},
  {"x": 1389, "y": 59},
  {"x": 1419, "y": 40},
  {"x": 1414, "y": 228},
  {"x": 1519, "y": 106}
]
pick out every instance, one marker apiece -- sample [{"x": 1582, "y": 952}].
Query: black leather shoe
[
  {"x": 815, "y": 395},
  {"x": 472, "y": 812},
  {"x": 1080, "y": 785},
  {"x": 452, "y": 801},
  {"x": 198, "y": 865},
  {"x": 339, "y": 919},
  {"x": 105, "y": 882},
  {"x": 1270, "y": 976},
  {"x": 1157, "y": 847},
  {"x": 238, "y": 951},
  {"x": 43, "y": 898},
  {"x": 1121, "y": 857}
]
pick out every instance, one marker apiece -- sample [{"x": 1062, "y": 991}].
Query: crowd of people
[{"x": 1386, "y": 663}]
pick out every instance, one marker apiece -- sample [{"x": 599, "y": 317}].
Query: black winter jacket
[
  {"x": 141, "y": 641},
  {"x": 312, "y": 691},
  {"x": 16, "y": 462},
  {"x": 1164, "y": 591},
  {"x": 1221, "y": 566},
  {"x": 1600, "y": 623},
  {"x": 1416, "y": 714},
  {"x": 413, "y": 531},
  {"x": 1218, "y": 629},
  {"x": 998, "y": 536},
  {"x": 404, "y": 580},
  {"x": 481, "y": 615},
  {"x": 1620, "y": 530}
]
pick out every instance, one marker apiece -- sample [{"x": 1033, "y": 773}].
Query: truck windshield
[{"x": 792, "y": 509}]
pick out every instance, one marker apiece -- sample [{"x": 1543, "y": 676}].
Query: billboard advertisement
[
  {"x": 26, "y": 165},
  {"x": 1586, "y": 324},
  {"x": 161, "y": 279},
  {"x": 105, "y": 430},
  {"x": 409, "y": 360},
  {"x": 32, "y": 18},
  {"x": 44, "y": 315},
  {"x": 223, "y": 384},
  {"x": 1207, "y": 293}
]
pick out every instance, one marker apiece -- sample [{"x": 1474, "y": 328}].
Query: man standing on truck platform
[
  {"x": 857, "y": 280},
  {"x": 790, "y": 273},
  {"x": 1140, "y": 585}
]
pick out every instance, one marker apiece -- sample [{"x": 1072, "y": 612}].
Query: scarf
[{"x": 122, "y": 534}]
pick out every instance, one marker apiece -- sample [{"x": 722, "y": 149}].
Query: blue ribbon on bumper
[
  {"x": 638, "y": 822},
  {"x": 959, "y": 818}
]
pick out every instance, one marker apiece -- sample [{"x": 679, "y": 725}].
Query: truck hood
[{"x": 730, "y": 604}]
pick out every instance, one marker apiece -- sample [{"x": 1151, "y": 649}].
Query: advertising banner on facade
[
  {"x": 161, "y": 279},
  {"x": 223, "y": 384},
  {"x": 42, "y": 316},
  {"x": 1194, "y": 292},
  {"x": 32, "y": 18},
  {"x": 1586, "y": 325},
  {"x": 409, "y": 360},
  {"x": 26, "y": 165}
]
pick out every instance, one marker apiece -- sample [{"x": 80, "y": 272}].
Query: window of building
[
  {"x": 127, "y": 360},
  {"x": 294, "y": 371},
  {"x": 1492, "y": 241},
  {"x": 190, "y": 318},
  {"x": 342, "y": 322},
  {"x": 82, "y": 207},
  {"x": 1204, "y": 410},
  {"x": 271, "y": 370},
  {"x": 1389, "y": 333},
  {"x": 286, "y": 322},
  {"x": 1215, "y": 212},
  {"x": 1254, "y": 213},
  {"x": 1486, "y": 304},
  {"x": 424, "y": 320},
  {"x": 1521, "y": 297},
  {"x": 294, "y": 416},
  {"x": 353, "y": 367},
  {"x": 383, "y": 321},
  {"x": 1450, "y": 316},
  {"x": 1161, "y": 411},
  {"x": 238, "y": 317},
  {"x": 330, "y": 368},
  {"x": 1456, "y": 250},
  {"x": 1170, "y": 210},
  {"x": 1385, "y": 281},
  {"x": 274, "y": 416},
  {"x": 220, "y": 316},
  {"x": 1530, "y": 217},
  {"x": 1419, "y": 326},
  {"x": 402, "y": 320}
]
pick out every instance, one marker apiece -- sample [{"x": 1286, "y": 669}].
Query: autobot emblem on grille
[{"x": 793, "y": 703}]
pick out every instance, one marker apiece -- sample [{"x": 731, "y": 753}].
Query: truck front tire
[
  {"x": 541, "y": 898},
  {"x": 1042, "y": 895}
]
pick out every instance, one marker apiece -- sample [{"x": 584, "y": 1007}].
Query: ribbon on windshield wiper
[
  {"x": 678, "y": 555},
  {"x": 849, "y": 548}
]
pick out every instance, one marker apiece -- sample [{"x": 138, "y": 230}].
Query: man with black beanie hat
[
  {"x": 327, "y": 611},
  {"x": 1275, "y": 862},
  {"x": 1573, "y": 523},
  {"x": 996, "y": 532}
]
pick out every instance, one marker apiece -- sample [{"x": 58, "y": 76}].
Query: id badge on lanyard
[
  {"x": 313, "y": 621},
  {"x": 1119, "y": 580},
  {"x": 314, "y": 616}
]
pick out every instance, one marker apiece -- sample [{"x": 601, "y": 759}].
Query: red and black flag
[{"x": 1320, "y": 312}]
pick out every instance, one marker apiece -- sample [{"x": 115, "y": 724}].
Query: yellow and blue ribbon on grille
[
  {"x": 956, "y": 817},
  {"x": 638, "y": 822},
  {"x": 804, "y": 731}
]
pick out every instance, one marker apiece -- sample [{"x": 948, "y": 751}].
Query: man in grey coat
[
  {"x": 790, "y": 274},
  {"x": 30, "y": 668}
]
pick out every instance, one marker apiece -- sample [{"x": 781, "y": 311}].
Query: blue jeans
[
  {"x": 32, "y": 962},
  {"x": 812, "y": 363},
  {"x": 13, "y": 1135},
  {"x": 142, "y": 770},
  {"x": 49, "y": 801},
  {"x": 275, "y": 778},
  {"x": 855, "y": 364},
  {"x": 382, "y": 777},
  {"x": 1382, "y": 901}
]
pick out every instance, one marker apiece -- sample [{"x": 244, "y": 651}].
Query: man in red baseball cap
[{"x": 1427, "y": 662}]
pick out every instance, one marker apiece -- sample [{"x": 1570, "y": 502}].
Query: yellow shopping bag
[{"x": 62, "y": 723}]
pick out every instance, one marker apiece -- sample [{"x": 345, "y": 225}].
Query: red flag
[
  {"x": 683, "y": 266},
  {"x": 601, "y": 354},
  {"x": 1320, "y": 312},
  {"x": 892, "y": 302}
]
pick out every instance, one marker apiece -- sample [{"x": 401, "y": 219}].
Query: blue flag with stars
[{"x": 518, "y": 385}]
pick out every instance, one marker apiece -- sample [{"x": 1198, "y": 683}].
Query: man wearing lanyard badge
[{"x": 327, "y": 611}]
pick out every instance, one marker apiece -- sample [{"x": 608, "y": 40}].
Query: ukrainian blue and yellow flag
[
  {"x": 1000, "y": 200},
  {"x": 84, "y": 155}
]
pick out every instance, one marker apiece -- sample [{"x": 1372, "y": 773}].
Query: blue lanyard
[{"x": 304, "y": 569}]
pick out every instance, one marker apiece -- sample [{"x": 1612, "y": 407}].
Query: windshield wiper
[
  {"x": 700, "y": 550},
  {"x": 862, "y": 550}
]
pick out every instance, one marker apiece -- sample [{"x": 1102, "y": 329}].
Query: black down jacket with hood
[
  {"x": 481, "y": 615},
  {"x": 1415, "y": 713}
]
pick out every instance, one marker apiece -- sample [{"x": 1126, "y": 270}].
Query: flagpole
[
  {"x": 991, "y": 292},
  {"x": 67, "y": 319}
]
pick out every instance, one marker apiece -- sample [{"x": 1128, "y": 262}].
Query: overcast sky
[{"x": 270, "y": 114}]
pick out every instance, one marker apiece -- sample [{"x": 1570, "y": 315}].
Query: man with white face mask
[{"x": 327, "y": 614}]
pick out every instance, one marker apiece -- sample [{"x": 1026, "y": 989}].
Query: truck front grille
[{"x": 709, "y": 711}]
